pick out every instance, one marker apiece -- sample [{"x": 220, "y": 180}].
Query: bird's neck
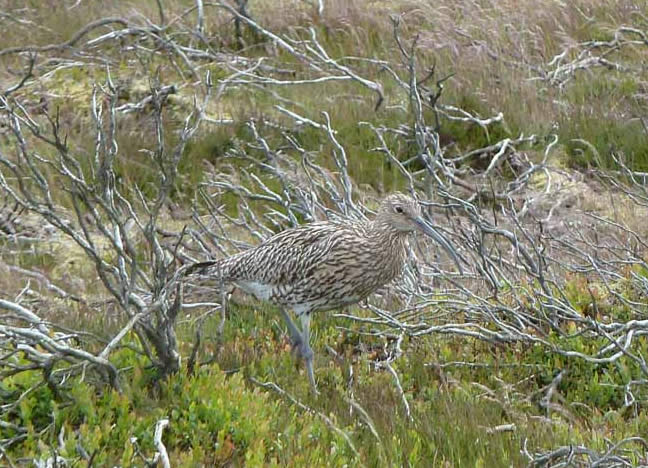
[
  {"x": 390, "y": 246},
  {"x": 385, "y": 236}
]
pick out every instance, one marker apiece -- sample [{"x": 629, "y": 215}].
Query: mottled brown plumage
[{"x": 325, "y": 265}]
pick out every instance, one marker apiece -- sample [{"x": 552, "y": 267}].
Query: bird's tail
[{"x": 216, "y": 268}]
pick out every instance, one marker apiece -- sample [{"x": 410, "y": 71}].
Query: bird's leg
[
  {"x": 295, "y": 334},
  {"x": 306, "y": 351},
  {"x": 301, "y": 343}
]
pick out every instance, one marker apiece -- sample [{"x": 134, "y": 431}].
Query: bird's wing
[{"x": 290, "y": 255}]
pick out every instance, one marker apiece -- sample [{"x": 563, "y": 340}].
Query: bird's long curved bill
[{"x": 442, "y": 241}]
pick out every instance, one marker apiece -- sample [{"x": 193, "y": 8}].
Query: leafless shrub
[
  {"x": 587, "y": 55},
  {"x": 115, "y": 228},
  {"x": 582, "y": 456}
]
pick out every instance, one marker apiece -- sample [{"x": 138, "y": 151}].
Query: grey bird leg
[
  {"x": 295, "y": 334},
  {"x": 306, "y": 351},
  {"x": 301, "y": 342}
]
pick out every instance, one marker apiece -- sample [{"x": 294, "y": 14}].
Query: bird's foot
[
  {"x": 311, "y": 372},
  {"x": 307, "y": 355},
  {"x": 302, "y": 350}
]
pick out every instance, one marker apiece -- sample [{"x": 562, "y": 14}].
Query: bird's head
[
  {"x": 400, "y": 212},
  {"x": 403, "y": 214}
]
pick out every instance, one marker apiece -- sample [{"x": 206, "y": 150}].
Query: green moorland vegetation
[{"x": 103, "y": 196}]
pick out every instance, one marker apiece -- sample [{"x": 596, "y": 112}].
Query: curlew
[{"x": 326, "y": 265}]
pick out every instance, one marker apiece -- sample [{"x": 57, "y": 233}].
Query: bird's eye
[{"x": 399, "y": 209}]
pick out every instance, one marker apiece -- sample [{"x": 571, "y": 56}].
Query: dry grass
[{"x": 498, "y": 53}]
